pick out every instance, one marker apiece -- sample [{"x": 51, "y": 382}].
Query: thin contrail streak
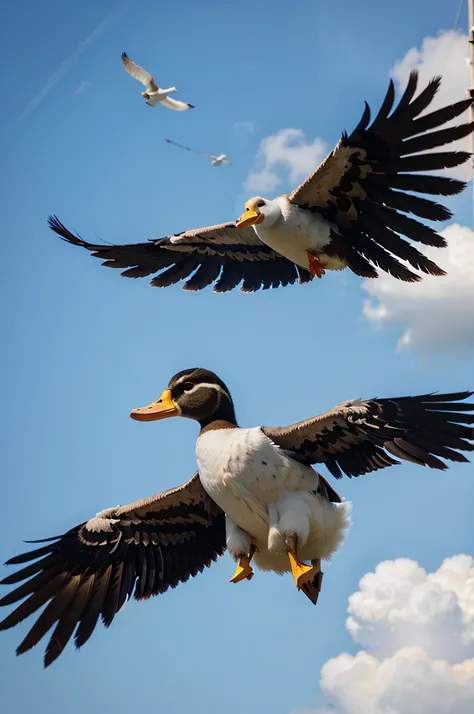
[{"x": 67, "y": 64}]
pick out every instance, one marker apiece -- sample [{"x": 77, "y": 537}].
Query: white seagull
[
  {"x": 153, "y": 94},
  {"x": 215, "y": 160}
]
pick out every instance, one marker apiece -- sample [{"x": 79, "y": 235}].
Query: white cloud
[
  {"x": 400, "y": 605},
  {"x": 68, "y": 63},
  {"x": 247, "y": 126},
  {"x": 285, "y": 156},
  {"x": 81, "y": 88},
  {"x": 419, "y": 631},
  {"x": 409, "y": 682},
  {"x": 445, "y": 55},
  {"x": 437, "y": 314}
]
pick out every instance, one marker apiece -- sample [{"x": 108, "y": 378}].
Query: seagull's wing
[
  {"x": 176, "y": 104},
  {"x": 364, "y": 186},
  {"x": 89, "y": 572},
  {"x": 139, "y": 73},
  {"x": 354, "y": 438},
  {"x": 224, "y": 255},
  {"x": 193, "y": 151}
]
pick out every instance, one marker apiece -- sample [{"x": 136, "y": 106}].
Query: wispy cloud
[
  {"x": 81, "y": 87},
  {"x": 68, "y": 63},
  {"x": 247, "y": 126}
]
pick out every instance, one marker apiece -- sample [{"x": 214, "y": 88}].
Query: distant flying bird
[
  {"x": 216, "y": 160},
  {"x": 350, "y": 213},
  {"x": 153, "y": 94},
  {"x": 256, "y": 493}
]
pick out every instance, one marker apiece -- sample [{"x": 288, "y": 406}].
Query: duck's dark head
[{"x": 195, "y": 393}]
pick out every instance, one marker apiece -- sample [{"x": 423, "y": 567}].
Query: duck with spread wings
[
  {"x": 256, "y": 493},
  {"x": 352, "y": 212}
]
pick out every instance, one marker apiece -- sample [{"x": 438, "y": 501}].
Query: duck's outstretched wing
[
  {"x": 137, "y": 72},
  {"x": 363, "y": 185},
  {"x": 354, "y": 438},
  {"x": 176, "y": 105},
  {"x": 224, "y": 255},
  {"x": 143, "y": 548}
]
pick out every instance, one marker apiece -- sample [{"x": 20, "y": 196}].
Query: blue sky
[{"x": 83, "y": 346}]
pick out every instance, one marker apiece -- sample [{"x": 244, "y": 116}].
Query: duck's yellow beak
[
  {"x": 249, "y": 218},
  {"x": 163, "y": 408}
]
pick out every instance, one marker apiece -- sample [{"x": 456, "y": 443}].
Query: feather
[
  {"x": 27, "y": 588},
  {"x": 426, "y": 162},
  {"x": 30, "y": 570},
  {"x": 425, "y": 142},
  {"x": 382, "y": 259},
  {"x": 231, "y": 276},
  {"x": 68, "y": 621},
  {"x": 422, "y": 101},
  {"x": 50, "y": 614},
  {"x": 409, "y": 204},
  {"x": 34, "y": 602},
  {"x": 438, "y": 117},
  {"x": 407, "y": 226},
  {"x": 93, "y": 609},
  {"x": 408, "y": 94},
  {"x": 206, "y": 274},
  {"x": 31, "y": 555},
  {"x": 397, "y": 245},
  {"x": 435, "y": 185},
  {"x": 385, "y": 108},
  {"x": 176, "y": 272},
  {"x": 109, "y": 607},
  {"x": 365, "y": 119}
]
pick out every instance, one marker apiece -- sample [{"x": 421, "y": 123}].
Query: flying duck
[
  {"x": 255, "y": 493},
  {"x": 153, "y": 94},
  {"x": 215, "y": 160},
  {"x": 350, "y": 213}
]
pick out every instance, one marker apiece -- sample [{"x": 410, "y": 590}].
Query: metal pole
[
  {"x": 470, "y": 6},
  {"x": 471, "y": 56}
]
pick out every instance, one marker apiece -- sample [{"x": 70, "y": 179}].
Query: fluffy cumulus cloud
[
  {"x": 445, "y": 55},
  {"x": 409, "y": 682},
  {"x": 436, "y": 314},
  {"x": 418, "y": 631},
  {"x": 285, "y": 156},
  {"x": 400, "y": 605}
]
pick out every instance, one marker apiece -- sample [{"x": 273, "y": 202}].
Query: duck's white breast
[
  {"x": 243, "y": 472},
  {"x": 297, "y": 231}
]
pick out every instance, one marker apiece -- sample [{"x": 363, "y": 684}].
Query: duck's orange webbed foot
[
  {"x": 315, "y": 267},
  {"x": 244, "y": 570}
]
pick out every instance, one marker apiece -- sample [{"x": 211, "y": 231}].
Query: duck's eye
[
  {"x": 260, "y": 204},
  {"x": 188, "y": 386}
]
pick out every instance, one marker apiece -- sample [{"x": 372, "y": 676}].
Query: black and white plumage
[
  {"x": 255, "y": 493},
  {"x": 215, "y": 160},
  {"x": 153, "y": 94},
  {"x": 143, "y": 548},
  {"x": 353, "y": 211}
]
